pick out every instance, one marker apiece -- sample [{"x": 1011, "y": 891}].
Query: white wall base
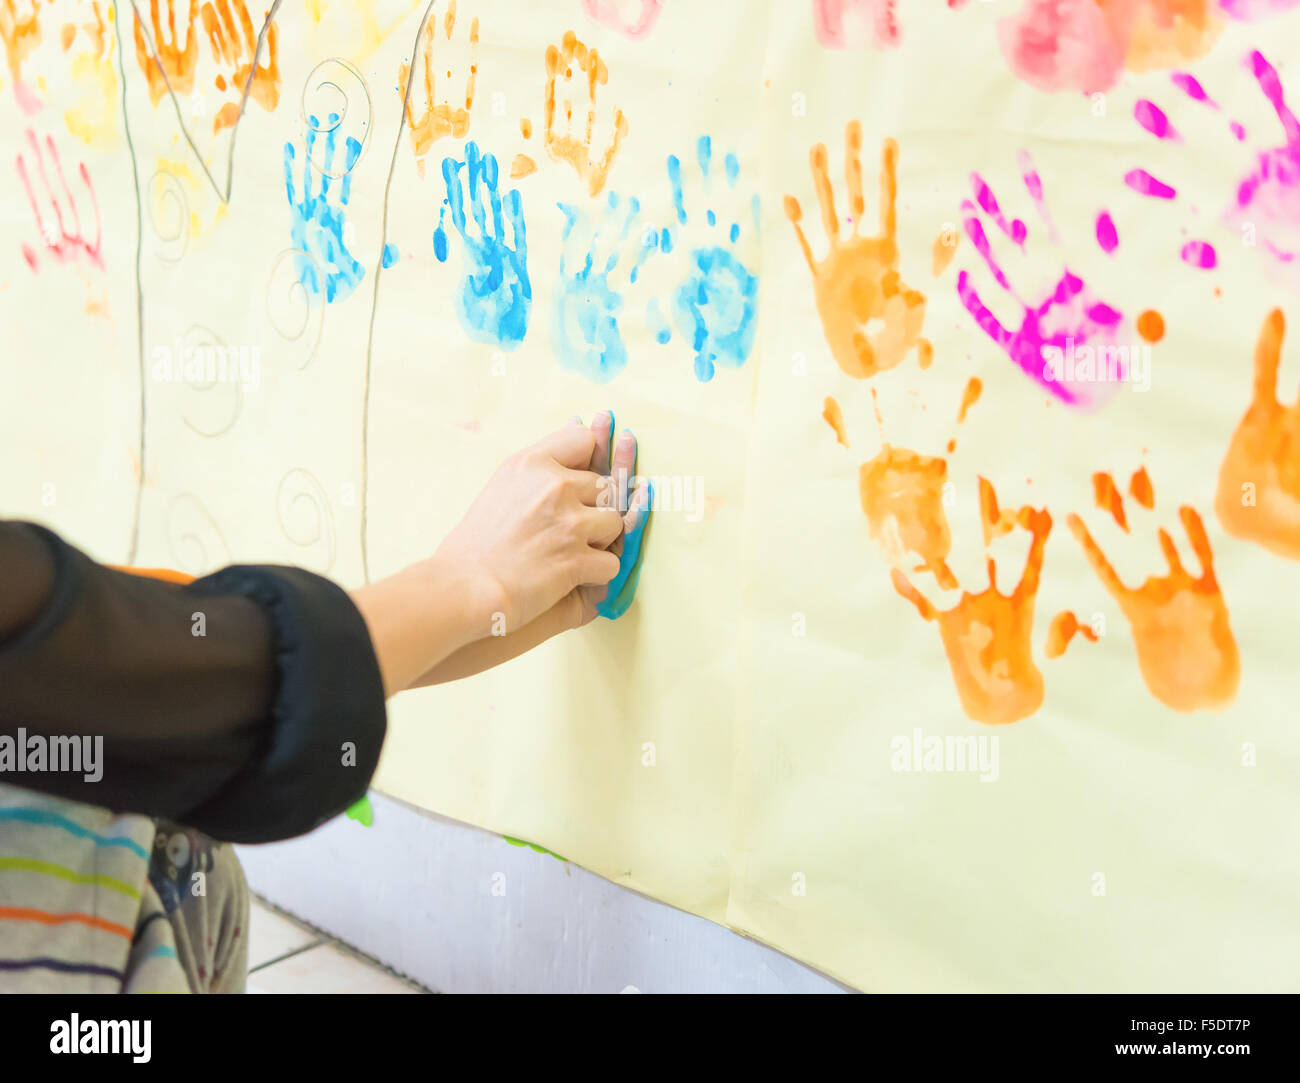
[{"x": 415, "y": 892}]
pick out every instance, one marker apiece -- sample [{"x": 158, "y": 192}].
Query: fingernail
[{"x": 626, "y": 438}]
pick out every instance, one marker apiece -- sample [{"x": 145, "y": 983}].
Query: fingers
[
  {"x": 571, "y": 446},
  {"x": 1268, "y": 355},
  {"x": 623, "y": 587},
  {"x": 623, "y": 470},
  {"x": 597, "y": 568},
  {"x": 818, "y": 160},
  {"x": 604, "y": 527},
  {"x": 853, "y": 171},
  {"x": 602, "y": 429},
  {"x": 888, "y": 188}
]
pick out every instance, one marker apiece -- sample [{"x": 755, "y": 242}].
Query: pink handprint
[
  {"x": 1069, "y": 322},
  {"x": 849, "y": 24},
  {"x": 635, "y": 18},
  {"x": 58, "y": 223}
]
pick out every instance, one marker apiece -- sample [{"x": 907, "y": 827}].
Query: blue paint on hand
[
  {"x": 496, "y": 297},
  {"x": 622, "y": 588},
  {"x": 324, "y": 265},
  {"x": 586, "y": 334},
  {"x": 716, "y": 304}
]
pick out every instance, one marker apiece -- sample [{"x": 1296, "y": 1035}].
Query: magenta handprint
[
  {"x": 1068, "y": 340},
  {"x": 1265, "y": 205}
]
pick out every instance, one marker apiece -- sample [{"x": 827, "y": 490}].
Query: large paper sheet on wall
[{"x": 885, "y": 291}]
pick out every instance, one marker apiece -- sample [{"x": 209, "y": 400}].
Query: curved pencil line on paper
[
  {"x": 374, "y": 306},
  {"x": 134, "y": 544},
  {"x": 171, "y": 94}
]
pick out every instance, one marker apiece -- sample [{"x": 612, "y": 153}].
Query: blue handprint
[
  {"x": 323, "y": 262},
  {"x": 586, "y": 334},
  {"x": 717, "y": 303},
  {"x": 496, "y": 296}
]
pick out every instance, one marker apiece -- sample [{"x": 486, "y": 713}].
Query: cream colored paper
[{"x": 732, "y": 744}]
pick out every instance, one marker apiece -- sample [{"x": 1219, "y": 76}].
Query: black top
[{"x": 247, "y": 704}]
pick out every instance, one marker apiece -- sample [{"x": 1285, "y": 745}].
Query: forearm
[
  {"x": 421, "y": 616},
  {"x": 493, "y": 650}
]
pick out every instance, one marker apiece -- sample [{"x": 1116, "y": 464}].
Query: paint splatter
[
  {"x": 1107, "y": 236},
  {"x": 1185, "y": 647},
  {"x": 871, "y": 319},
  {"x": 850, "y": 24},
  {"x": 834, "y": 417},
  {"x": 390, "y": 255},
  {"x": 431, "y": 116},
  {"x": 1141, "y": 489},
  {"x": 634, "y": 18},
  {"x": 987, "y": 636},
  {"x": 233, "y": 40},
  {"x": 1068, "y": 320},
  {"x": 588, "y": 302},
  {"x": 1151, "y": 325},
  {"x": 1064, "y": 627},
  {"x": 715, "y": 307},
  {"x": 59, "y": 227},
  {"x": 974, "y": 388},
  {"x": 941, "y": 254},
  {"x": 1107, "y": 497},
  {"x": 1258, "y": 496},
  {"x": 496, "y": 296},
  {"x": 324, "y": 265},
  {"x": 568, "y": 137}
]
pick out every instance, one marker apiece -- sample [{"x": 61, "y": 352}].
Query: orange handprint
[
  {"x": 170, "y": 65},
  {"x": 20, "y": 27},
  {"x": 234, "y": 46},
  {"x": 986, "y": 636},
  {"x": 1259, "y": 482},
  {"x": 428, "y": 118},
  {"x": 871, "y": 318},
  {"x": 1185, "y": 647},
  {"x": 563, "y": 144}
]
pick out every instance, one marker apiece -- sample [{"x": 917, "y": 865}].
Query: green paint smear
[
  {"x": 533, "y": 846},
  {"x": 362, "y": 812}
]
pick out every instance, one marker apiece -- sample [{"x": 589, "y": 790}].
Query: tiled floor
[{"x": 285, "y": 957}]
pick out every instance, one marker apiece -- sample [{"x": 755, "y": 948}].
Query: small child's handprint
[
  {"x": 1265, "y": 203},
  {"x": 324, "y": 265},
  {"x": 716, "y": 305},
  {"x": 233, "y": 38},
  {"x": 987, "y": 636},
  {"x": 569, "y": 138},
  {"x": 174, "y": 59},
  {"x": 1258, "y": 497},
  {"x": 1185, "y": 646},
  {"x": 1068, "y": 319},
  {"x": 587, "y": 337},
  {"x": 871, "y": 318},
  {"x": 54, "y": 209},
  {"x": 429, "y": 118},
  {"x": 496, "y": 296}
]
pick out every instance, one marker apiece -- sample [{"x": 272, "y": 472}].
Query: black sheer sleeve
[{"x": 247, "y": 704}]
